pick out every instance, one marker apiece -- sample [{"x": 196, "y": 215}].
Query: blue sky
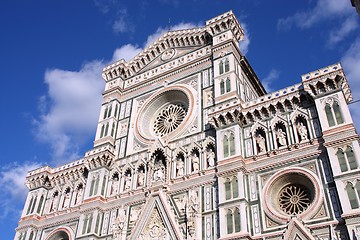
[{"x": 52, "y": 54}]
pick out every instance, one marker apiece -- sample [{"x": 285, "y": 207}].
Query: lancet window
[
  {"x": 346, "y": 159},
  {"x": 228, "y": 145},
  {"x": 87, "y": 223},
  {"x": 353, "y": 192},
  {"x": 231, "y": 188},
  {"x": 333, "y": 114},
  {"x": 233, "y": 220}
]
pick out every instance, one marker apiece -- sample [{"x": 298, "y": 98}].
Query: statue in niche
[
  {"x": 281, "y": 137},
  {"x": 127, "y": 182},
  {"x": 195, "y": 162},
  {"x": 66, "y": 201},
  {"x": 159, "y": 174},
  {"x": 119, "y": 223},
  {"x": 179, "y": 167},
  {"x": 54, "y": 202},
  {"x": 302, "y": 130},
  {"x": 260, "y": 140},
  {"x": 79, "y": 194},
  {"x": 114, "y": 186},
  {"x": 210, "y": 157},
  {"x": 141, "y": 178}
]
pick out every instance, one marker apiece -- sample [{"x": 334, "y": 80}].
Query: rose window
[
  {"x": 294, "y": 199},
  {"x": 169, "y": 119}
]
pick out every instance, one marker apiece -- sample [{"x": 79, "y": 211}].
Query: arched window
[
  {"x": 237, "y": 220},
  {"x": 329, "y": 115},
  {"x": 221, "y": 67},
  {"x": 30, "y": 204},
  {"x": 31, "y": 235},
  {"x": 227, "y": 189},
  {"x": 347, "y": 160},
  {"x": 342, "y": 161},
  {"x": 106, "y": 129},
  {"x": 109, "y": 112},
  {"x": 102, "y": 131},
  {"x": 116, "y": 110},
  {"x": 40, "y": 204},
  {"x": 228, "y": 85},
  {"x": 227, "y": 65},
  {"x": 232, "y": 144},
  {"x": 353, "y": 199},
  {"x": 234, "y": 186},
  {"x": 349, "y": 153},
  {"x": 357, "y": 187},
  {"x": 113, "y": 130},
  {"x": 226, "y": 146},
  {"x": 105, "y": 112},
  {"x": 333, "y": 114},
  {"x": 231, "y": 188},
  {"x": 337, "y": 113},
  {"x": 222, "y": 87},
  {"x": 33, "y": 206},
  {"x": 229, "y": 145},
  {"x": 229, "y": 221}
]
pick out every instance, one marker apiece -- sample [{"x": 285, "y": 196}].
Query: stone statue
[
  {"x": 114, "y": 186},
  {"x": 79, "y": 195},
  {"x": 260, "y": 140},
  {"x": 179, "y": 168},
  {"x": 54, "y": 203},
  {"x": 66, "y": 202},
  {"x": 281, "y": 137},
  {"x": 302, "y": 132},
  {"x": 211, "y": 158},
  {"x": 195, "y": 162},
  {"x": 159, "y": 174},
  {"x": 127, "y": 183},
  {"x": 141, "y": 178}
]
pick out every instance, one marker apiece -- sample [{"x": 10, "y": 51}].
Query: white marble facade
[{"x": 190, "y": 146}]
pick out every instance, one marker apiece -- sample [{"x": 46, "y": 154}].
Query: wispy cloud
[
  {"x": 118, "y": 14},
  {"x": 244, "y": 44},
  {"x": 324, "y": 10},
  {"x": 126, "y": 52},
  {"x": 269, "y": 79},
  {"x": 70, "y": 109},
  {"x": 13, "y": 188},
  {"x": 351, "y": 62},
  {"x": 350, "y": 24}
]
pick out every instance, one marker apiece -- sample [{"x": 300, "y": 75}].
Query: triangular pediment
[
  {"x": 296, "y": 230},
  {"x": 156, "y": 221},
  {"x": 180, "y": 41},
  {"x": 169, "y": 55}
]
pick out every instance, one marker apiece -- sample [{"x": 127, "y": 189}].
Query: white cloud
[
  {"x": 126, "y": 52},
  {"x": 337, "y": 35},
  {"x": 324, "y": 9},
  {"x": 268, "y": 80},
  {"x": 74, "y": 99},
  {"x": 351, "y": 62},
  {"x": 12, "y": 181},
  {"x": 244, "y": 44}
]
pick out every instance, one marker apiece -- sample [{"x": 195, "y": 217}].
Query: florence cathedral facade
[{"x": 189, "y": 145}]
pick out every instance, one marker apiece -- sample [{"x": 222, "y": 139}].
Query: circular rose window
[
  {"x": 292, "y": 191},
  {"x": 294, "y": 199},
  {"x": 166, "y": 113}
]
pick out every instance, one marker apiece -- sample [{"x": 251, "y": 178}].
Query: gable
[{"x": 156, "y": 221}]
